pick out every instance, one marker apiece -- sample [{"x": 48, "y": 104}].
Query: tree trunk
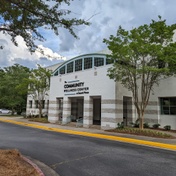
[
  {"x": 141, "y": 122},
  {"x": 40, "y": 110},
  {"x": 13, "y": 111}
]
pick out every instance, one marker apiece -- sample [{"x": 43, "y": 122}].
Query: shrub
[
  {"x": 136, "y": 124},
  {"x": 44, "y": 115},
  {"x": 144, "y": 132},
  {"x": 120, "y": 125},
  {"x": 36, "y": 116},
  {"x": 167, "y": 127},
  {"x": 42, "y": 120},
  {"x": 29, "y": 116},
  {"x": 146, "y": 125},
  {"x": 156, "y": 125}
]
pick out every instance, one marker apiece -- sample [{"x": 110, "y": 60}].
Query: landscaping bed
[
  {"x": 41, "y": 120},
  {"x": 13, "y": 164},
  {"x": 145, "y": 132}
]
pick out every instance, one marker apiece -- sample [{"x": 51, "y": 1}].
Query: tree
[
  {"x": 11, "y": 79},
  {"x": 39, "y": 84},
  {"x": 141, "y": 58},
  {"x": 26, "y": 18}
]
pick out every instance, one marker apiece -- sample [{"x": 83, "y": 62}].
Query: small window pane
[
  {"x": 36, "y": 104},
  {"x": 166, "y": 102},
  {"x": 70, "y": 67},
  {"x": 56, "y": 73},
  {"x": 43, "y": 104},
  {"x": 30, "y": 103},
  {"x": 109, "y": 61},
  {"x": 168, "y": 105},
  {"x": 98, "y": 61},
  {"x": 173, "y": 101},
  {"x": 165, "y": 110},
  {"x": 47, "y": 104},
  {"x": 87, "y": 62},
  {"x": 62, "y": 70},
  {"x": 173, "y": 110},
  {"x": 78, "y": 65}
]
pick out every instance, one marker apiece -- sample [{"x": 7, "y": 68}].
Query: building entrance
[
  {"x": 77, "y": 105},
  {"x": 96, "y": 111},
  {"x": 127, "y": 110},
  {"x": 59, "y": 108}
]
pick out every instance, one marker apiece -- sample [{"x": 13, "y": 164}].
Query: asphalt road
[{"x": 71, "y": 155}]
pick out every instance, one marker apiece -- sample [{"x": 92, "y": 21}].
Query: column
[
  {"x": 66, "y": 109},
  {"x": 111, "y": 113},
  {"x": 53, "y": 111},
  {"x": 88, "y": 112}
]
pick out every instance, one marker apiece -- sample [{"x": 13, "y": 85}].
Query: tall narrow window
[
  {"x": 62, "y": 70},
  {"x": 70, "y": 67},
  {"x": 87, "y": 63},
  {"x": 47, "y": 104},
  {"x": 98, "y": 61},
  {"x": 109, "y": 61},
  {"x": 30, "y": 103},
  {"x": 43, "y": 104},
  {"x": 56, "y": 73},
  {"x": 78, "y": 65},
  {"x": 36, "y": 103}
]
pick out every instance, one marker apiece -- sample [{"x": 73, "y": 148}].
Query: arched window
[
  {"x": 82, "y": 62},
  {"x": 87, "y": 63},
  {"x": 62, "y": 70},
  {"x": 98, "y": 61},
  {"x": 78, "y": 65},
  {"x": 70, "y": 67}
]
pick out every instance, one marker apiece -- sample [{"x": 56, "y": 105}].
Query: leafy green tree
[
  {"x": 39, "y": 84},
  {"x": 11, "y": 95},
  {"x": 28, "y": 17},
  {"x": 1, "y": 87},
  {"x": 141, "y": 58}
]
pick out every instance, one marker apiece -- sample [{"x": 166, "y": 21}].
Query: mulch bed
[
  {"x": 12, "y": 164},
  {"x": 153, "y": 133}
]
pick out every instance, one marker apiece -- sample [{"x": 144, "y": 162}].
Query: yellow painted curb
[{"x": 95, "y": 135}]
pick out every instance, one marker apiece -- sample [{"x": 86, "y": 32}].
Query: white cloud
[
  {"x": 48, "y": 52},
  {"x": 106, "y": 15},
  {"x": 11, "y": 54}
]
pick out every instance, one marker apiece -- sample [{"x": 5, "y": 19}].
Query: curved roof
[{"x": 91, "y": 55}]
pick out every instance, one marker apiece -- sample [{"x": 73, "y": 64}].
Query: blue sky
[{"x": 105, "y": 17}]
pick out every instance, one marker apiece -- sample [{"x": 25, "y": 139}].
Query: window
[
  {"x": 43, "y": 104},
  {"x": 47, "y": 104},
  {"x": 168, "y": 105},
  {"x": 78, "y": 65},
  {"x": 87, "y": 63},
  {"x": 70, "y": 67},
  {"x": 30, "y": 103},
  {"x": 36, "y": 103},
  {"x": 62, "y": 70},
  {"x": 56, "y": 73},
  {"x": 98, "y": 61},
  {"x": 109, "y": 61}
]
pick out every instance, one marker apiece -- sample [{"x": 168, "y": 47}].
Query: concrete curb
[
  {"x": 33, "y": 165},
  {"x": 96, "y": 135},
  {"x": 42, "y": 168}
]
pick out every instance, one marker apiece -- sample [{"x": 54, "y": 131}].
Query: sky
[{"x": 105, "y": 17}]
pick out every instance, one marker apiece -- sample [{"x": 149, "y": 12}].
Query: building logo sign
[{"x": 75, "y": 88}]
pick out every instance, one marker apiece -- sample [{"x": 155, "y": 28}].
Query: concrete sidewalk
[{"x": 169, "y": 144}]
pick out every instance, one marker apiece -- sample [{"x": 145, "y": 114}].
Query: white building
[
  {"x": 162, "y": 105},
  {"x": 80, "y": 88}
]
